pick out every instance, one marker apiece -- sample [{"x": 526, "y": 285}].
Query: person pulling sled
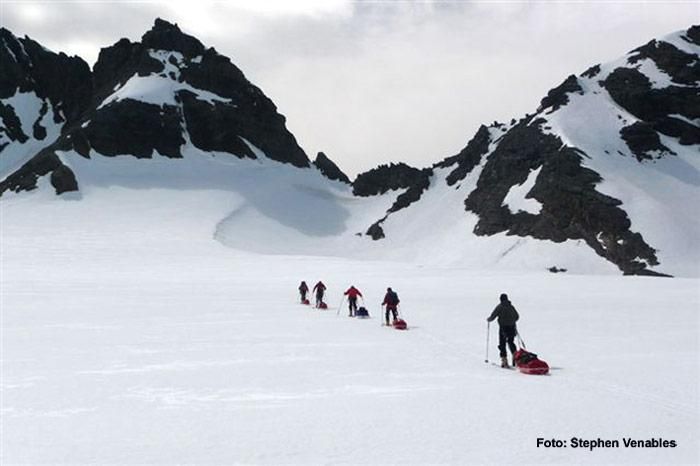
[
  {"x": 507, "y": 317},
  {"x": 303, "y": 289},
  {"x": 319, "y": 289},
  {"x": 352, "y": 293},
  {"x": 391, "y": 301}
]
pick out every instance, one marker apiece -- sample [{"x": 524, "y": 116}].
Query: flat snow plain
[{"x": 141, "y": 339}]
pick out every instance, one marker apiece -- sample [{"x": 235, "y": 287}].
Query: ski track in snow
[{"x": 137, "y": 338}]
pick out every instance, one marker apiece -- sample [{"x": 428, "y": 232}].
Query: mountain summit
[{"x": 143, "y": 99}]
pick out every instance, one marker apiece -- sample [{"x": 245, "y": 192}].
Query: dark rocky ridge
[
  {"x": 135, "y": 128},
  {"x": 469, "y": 157},
  {"x": 644, "y": 141},
  {"x": 559, "y": 96},
  {"x": 389, "y": 178},
  {"x": 658, "y": 109},
  {"x": 329, "y": 169},
  {"x": 62, "y": 80},
  {"x": 682, "y": 67},
  {"x": 571, "y": 207}
]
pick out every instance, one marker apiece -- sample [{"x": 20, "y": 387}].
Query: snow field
[{"x": 129, "y": 335}]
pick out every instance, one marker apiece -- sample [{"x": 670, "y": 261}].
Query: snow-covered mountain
[
  {"x": 610, "y": 158},
  {"x": 150, "y": 99},
  {"x": 603, "y": 177}
]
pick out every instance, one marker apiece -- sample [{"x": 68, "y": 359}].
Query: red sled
[
  {"x": 400, "y": 324},
  {"x": 529, "y": 363},
  {"x": 305, "y": 301},
  {"x": 322, "y": 305}
]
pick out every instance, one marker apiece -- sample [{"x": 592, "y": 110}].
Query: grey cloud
[{"x": 390, "y": 81}]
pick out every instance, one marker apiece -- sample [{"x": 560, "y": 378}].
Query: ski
[{"x": 499, "y": 366}]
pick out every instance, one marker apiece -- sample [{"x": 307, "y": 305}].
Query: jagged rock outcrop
[
  {"x": 390, "y": 178},
  {"x": 329, "y": 169},
  {"x": 469, "y": 157}
]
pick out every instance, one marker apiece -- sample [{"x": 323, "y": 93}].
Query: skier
[
  {"x": 507, "y": 317},
  {"x": 391, "y": 300},
  {"x": 319, "y": 289},
  {"x": 352, "y": 293},
  {"x": 303, "y": 289}
]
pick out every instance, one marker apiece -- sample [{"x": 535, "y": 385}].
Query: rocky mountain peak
[
  {"x": 168, "y": 36},
  {"x": 162, "y": 96},
  {"x": 329, "y": 168}
]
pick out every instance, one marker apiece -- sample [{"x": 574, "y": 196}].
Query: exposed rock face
[
  {"x": 387, "y": 178},
  {"x": 571, "y": 206},
  {"x": 650, "y": 102},
  {"x": 643, "y": 141},
  {"x": 143, "y": 99},
  {"x": 44, "y": 163},
  {"x": 330, "y": 169},
  {"x": 469, "y": 157},
  {"x": 666, "y": 110},
  {"x": 559, "y": 96},
  {"x": 390, "y": 178},
  {"x": 682, "y": 67},
  {"x": 41, "y": 92},
  {"x": 63, "y": 82}
]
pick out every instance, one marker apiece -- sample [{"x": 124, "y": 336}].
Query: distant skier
[
  {"x": 303, "y": 289},
  {"x": 352, "y": 293},
  {"x": 319, "y": 289},
  {"x": 391, "y": 301},
  {"x": 507, "y": 317}
]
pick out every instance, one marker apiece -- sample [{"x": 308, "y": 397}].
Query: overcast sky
[{"x": 371, "y": 82}]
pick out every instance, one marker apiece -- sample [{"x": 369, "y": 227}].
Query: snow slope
[
  {"x": 27, "y": 107},
  {"x": 658, "y": 191},
  {"x": 130, "y": 335},
  {"x": 660, "y": 196}
]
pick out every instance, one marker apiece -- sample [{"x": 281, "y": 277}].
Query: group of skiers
[
  {"x": 391, "y": 299},
  {"x": 506, "y": 314}
]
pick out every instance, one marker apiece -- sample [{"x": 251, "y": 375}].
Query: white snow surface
[
  {"x": 152, "y": 318},
  {"x": 516, "y": 199},
  {"x": 27, "y": 107},
  {"x": 161, "y": 88},
  {"x": 130, "y": 335}
]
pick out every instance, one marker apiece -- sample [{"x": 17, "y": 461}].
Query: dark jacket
[
  {"x": 391, "y": 299},
  {"x": 506, "y": 314}
]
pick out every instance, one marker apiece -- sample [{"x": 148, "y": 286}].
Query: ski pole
[
  {"x": 488, "y": 333},
  {"x": 341, "y": 305},
  {"x": 520, "y": 340}
]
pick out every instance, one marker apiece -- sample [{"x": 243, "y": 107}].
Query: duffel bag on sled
[{"x": 529, "y": 363}]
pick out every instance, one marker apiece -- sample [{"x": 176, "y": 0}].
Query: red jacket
[{"x": 353, "y": 292}]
